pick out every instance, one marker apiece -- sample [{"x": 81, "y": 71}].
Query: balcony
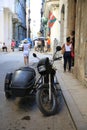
[
  {"x": 50, "y": 4},
  {"x": 16, "y": 19}
]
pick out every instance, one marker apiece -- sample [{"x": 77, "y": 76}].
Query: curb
[{"x": 74, "y": 111}]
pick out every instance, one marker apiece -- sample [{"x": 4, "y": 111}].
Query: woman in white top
[
  {"x": 67, "y": 54},
  {"x": 26, "y": 47}
]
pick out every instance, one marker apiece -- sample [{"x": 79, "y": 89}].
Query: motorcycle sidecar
[{"x": 20, "y": 83}]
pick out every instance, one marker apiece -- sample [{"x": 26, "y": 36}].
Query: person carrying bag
[{"x": 67, "y": 54}]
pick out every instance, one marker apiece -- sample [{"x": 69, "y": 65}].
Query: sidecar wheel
[
  {"x": 7, "y": 85},
  {"x": 42, "y": 98},
  {"x": 8, "y": 78},
  {"x": 7, "y": 95},
  {"x": 7, "y": 91}
]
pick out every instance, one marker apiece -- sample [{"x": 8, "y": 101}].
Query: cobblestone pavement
[{"x": 22, "y": 113}]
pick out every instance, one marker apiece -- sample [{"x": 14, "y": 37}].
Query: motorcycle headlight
[{"x": 41, "y": 68}]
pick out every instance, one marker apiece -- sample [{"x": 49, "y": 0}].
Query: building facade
[
  {"x": 28, "y": 19},
  {"x": 6, "y": 12},
  {"x": 71, "y": 17},
  {"x": 74, "y": 20},
  {"x": 52, "y": 7},
  {"x": 13, "y": 20},
  {"x": 19, "y": 20}
]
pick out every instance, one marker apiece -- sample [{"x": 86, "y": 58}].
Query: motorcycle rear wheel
[{"x": 42, "y": 99}]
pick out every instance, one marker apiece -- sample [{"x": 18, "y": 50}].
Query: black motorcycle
[
  {"x": 47, "y": 91},
  {"x": 23, "y": 83}
]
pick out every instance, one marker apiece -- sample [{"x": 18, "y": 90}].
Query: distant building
[
  {"x": 6, "y": 12},
  {"x": 28, "y": 19},
  {"x": 19, "y": 20},
  {"x": 12, "y": 20}
]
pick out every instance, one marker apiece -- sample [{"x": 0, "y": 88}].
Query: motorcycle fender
[{"x": 42, "y": 86}]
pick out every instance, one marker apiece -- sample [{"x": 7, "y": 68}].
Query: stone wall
[
  {"x": 75, "y": 19},
  {"x": 80, "y": 69}
]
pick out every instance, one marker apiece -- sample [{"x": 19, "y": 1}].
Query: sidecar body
[{"x": 20, "y": 83}]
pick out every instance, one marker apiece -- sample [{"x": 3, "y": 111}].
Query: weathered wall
[
  {"x": 72, "y": 16},
  {"x": 71, "y": 10},
  {"x": 80, "y": 69},
  {"x": 75, "y": 19},
  {"x": 63, "y": 21}
]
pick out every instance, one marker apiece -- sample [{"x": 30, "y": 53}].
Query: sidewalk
[{"x": 75, "y": 95}]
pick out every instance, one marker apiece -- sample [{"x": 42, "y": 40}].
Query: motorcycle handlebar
[{"x": 58, "y": 58}]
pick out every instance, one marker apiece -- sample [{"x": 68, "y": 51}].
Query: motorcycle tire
[
  {"x": 7, "y": 95},
  {"x": 42, "y": 99},
  {"x": 7, "y": 85}
]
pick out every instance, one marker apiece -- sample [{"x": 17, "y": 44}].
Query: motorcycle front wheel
[{"x": 46, "y": 106}]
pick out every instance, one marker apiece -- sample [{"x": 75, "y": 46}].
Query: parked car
[{"x": 20, "y": 47}]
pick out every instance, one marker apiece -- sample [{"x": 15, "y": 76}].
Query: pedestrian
[
  {"x": 26, "y": 48},
  {"x": 45, "y": 48},
  {"x": 42, "y": 45},
  {"x": 73, "y": 44},
  {"x": 0, "y": 45},
  {"x": 67, "y": 54},
  {"x": 4, "y": 47},
  {"x": 39, "y": 45},
  {"x": 13, "y": 44},
  {"x": 36, "y": 45},
  {"x": 48, "y": 44}
]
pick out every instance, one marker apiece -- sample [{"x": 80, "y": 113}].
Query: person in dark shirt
[
  {"x": 4, "y": 47},
  {"x": 42, "y": 46}
]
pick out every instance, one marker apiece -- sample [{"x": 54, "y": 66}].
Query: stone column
[
  {"x": 1, "y": 25},
  {"x": 71, "y": 16}
]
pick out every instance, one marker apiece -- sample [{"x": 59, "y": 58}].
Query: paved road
[{"x": 22, "y": 113}]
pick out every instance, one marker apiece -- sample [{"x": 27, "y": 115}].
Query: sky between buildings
[{"x": 35, "y": 7}]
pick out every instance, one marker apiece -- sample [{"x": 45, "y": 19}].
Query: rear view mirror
[
  {"x": 34, "y": 55},
  {"x": 58, "y": 48}
]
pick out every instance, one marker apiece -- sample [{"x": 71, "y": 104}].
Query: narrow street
[
  {"x": 23, "y": 113},
  {"x": 44, "y": 24}
]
